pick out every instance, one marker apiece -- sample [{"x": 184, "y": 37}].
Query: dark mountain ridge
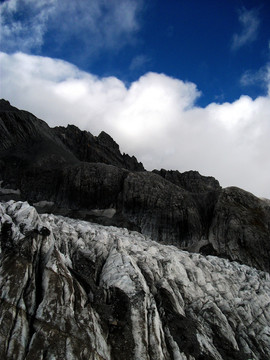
[{"x": 71, "y": 172}]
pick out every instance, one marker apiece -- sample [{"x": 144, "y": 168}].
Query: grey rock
[
  {"x": 240, "y": 228},
  {"x": 161, "y": 209}
]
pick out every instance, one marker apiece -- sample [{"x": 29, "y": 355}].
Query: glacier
[{"x": 72, "y": 289}]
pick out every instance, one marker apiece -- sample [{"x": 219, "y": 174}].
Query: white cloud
[
  {"x": 94, "y": 24},
  {"x": 260, "y": 78},
  {"x": 23, "y": 23},
  {"x": 252, "y": 77},
  {"x": 250, "y": 22},
  {"x": 155, "y": 119},
  {"x": 138, "y": 62}
]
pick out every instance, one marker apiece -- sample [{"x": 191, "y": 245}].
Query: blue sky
[
  {"x": 181, "y": 84},
  {"x": 211, "y": 43}
]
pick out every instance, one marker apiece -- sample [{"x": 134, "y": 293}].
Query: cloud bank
[{"x": 155, "y": 118}]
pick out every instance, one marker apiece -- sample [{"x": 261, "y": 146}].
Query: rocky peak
[
  {"x": 5, "y": 106},
  {"x": 89, "y": 148},
  {"x": 107, "y": 141}
]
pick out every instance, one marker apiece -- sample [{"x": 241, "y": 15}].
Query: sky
[{"x": 181, "y": 84}]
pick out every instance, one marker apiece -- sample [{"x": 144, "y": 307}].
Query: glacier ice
[{"x": 76, "y": 290}]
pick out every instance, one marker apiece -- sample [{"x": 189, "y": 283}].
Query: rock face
[
  {"x": 71, "y": 172},
  {"x": 89, "y": 148},
  {"x": 190, "y": 180},
  {"x": 84, "y": 291}
]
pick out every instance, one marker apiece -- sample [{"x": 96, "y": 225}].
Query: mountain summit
[{"x": 71, "y": 172}]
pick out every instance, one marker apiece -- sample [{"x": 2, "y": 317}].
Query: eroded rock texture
[
  {"x": 75, "y": 290},
  {"x": 71, "y": 172},
  {"x": 190, "y": 180}
]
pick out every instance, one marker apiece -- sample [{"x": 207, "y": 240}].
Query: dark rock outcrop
[
  {"x": 71, "y": 172},
  {"x": 89, "y": 148},
  {"x": 240, "y": 228},
  {"x": 190, "y": 180}
]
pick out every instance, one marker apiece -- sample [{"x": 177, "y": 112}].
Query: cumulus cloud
[
  {"x": 94, "y": 24},
  {"x": 155, "y": 118},
  {"x": 260, "y": 78},
  {"x": 250, "y": 22},
  {"x": 139, "y": 62}
]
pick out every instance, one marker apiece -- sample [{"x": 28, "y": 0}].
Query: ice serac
[
  {"x": 76, "y": 290},
  {"x": 71, "y": 172}
]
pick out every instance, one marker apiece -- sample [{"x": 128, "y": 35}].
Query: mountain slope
[
  {"x": 89, "y": 148},
  {"x": 84, "y": 291},
  {"x": 70, "y": 172}
]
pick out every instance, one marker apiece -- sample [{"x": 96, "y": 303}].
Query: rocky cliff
[
  {"x": 75, "y": 290},
  {"x": 71, "y": 172}
]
